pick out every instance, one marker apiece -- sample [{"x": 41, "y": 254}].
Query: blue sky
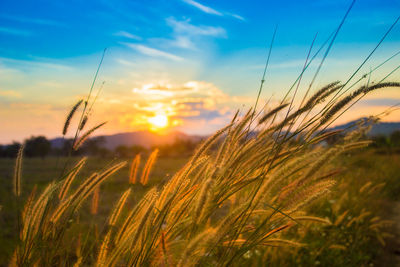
[{"x": 193, "y": 61}]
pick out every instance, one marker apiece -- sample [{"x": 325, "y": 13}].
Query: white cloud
[
  {"x": 127, "y": 35},
  {"x": 203, "y": 8},
  {"x": 236, "y": 16},
  {"x": 183, "y": 42},
  {"x": 126, "y": 62},
  {"x": 184, "y": 27},
  {"x": 212, "y": 11},
  {"x": 153, "y": 52},
  {"x": 186, "y": 35}
]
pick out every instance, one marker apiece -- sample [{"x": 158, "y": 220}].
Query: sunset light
[{"x": 158, "y": 122}]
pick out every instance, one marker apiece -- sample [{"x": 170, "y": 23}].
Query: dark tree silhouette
[
  {"x": 122, "y": 151},
  {"x": 37, "y": 146},
  {"x": 93, "y": 146},
  {"x": 10, "y": 151},
  {"x": 395, "y": 139}
]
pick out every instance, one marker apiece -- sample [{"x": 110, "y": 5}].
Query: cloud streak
[
  {"x": 127, "y": 35},
  {"x": 236, "y": 16},
  {"x": 203, "y": 8},
  {"x": 186, "y": 35},
  {"x": 184, "y": 27},
  {"x": 211, "y": 11},
  {"x": 152, "y": 52}
]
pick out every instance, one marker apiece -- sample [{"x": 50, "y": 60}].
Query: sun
[{"x": 158, "y": 122}]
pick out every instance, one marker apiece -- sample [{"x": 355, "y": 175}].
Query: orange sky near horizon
[{"x": 164, "y": 107}]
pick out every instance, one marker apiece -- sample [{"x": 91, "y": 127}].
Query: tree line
[{"x": 40, "y": 146}]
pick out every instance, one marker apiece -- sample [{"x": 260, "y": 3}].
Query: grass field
[
  {"x": 41, "y": 172},
  {"x": 346, "y": 243}
]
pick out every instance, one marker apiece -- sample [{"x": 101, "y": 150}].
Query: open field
[
  {"x": 41, "y": 172},
  {"x": 346, "y": 243}
]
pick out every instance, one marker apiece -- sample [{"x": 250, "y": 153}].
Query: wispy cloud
[
  {"x": 126, "y": 62},
  {"x": 153, "y": 52},
  {"x": 183, "y": 42},
  {"x": 13, "y": 31},
  {"x": 127, "y": 35},
  {"x": 203, "y": 8},
  {"x": 32, "y": 20},
  {"x": 186, "y": 35},
  {"x": 212, "y": 11},
  {"x": 152, "y": 89},
  {"x": 184, "y": 27},
  {"x": 236, "y": 16}
]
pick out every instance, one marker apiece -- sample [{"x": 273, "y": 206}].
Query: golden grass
[
  {"x": 78, "y": 142},
  {"x": 147, "y": 167},
  {"x": 70, "y": 116},
  {"x": 17, "y": 172},
  {"x": 134, "y": 169},
  {"x": 95, "y": 201}
]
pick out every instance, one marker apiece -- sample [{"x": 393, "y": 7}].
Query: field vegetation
[
  {"x": 334, "y": 244},
  {"x": 273, "y": 187},
  {"x": 244, "y": 197}
]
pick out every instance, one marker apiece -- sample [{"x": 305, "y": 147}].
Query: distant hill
[
  {"x": 381, "y": 128},
  {"x": 143, "y": 138},
  {"x": 149, "y": 139}
]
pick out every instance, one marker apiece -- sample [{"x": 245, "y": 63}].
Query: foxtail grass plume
[
  {"x": 322, "y": 93},
  {"x": 134, "y": 169},
  {"x": 95, "y": 201},
  {"x": 272, "y": 112},
  {"x": 17, "y": 172},
  {"x": 360, "y": 91},
  {"x": 148, "y": 166},
  {"x": 118, "y": 208},
  {"x": 70, "y": 177},
  {"x": 28, "y": 204},
  {"x": 79, "y": 142},
  {"x": 70, "y": 115},
  {"x": 83, "y": 123},
  {"x": 203, "y": 148},
  {"x": 102, "y": 256}
]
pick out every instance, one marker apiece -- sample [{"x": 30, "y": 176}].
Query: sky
[{"x": 182, "y": 63}]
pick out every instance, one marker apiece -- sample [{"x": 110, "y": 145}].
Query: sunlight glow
[{"x": 158, "y": 122}]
